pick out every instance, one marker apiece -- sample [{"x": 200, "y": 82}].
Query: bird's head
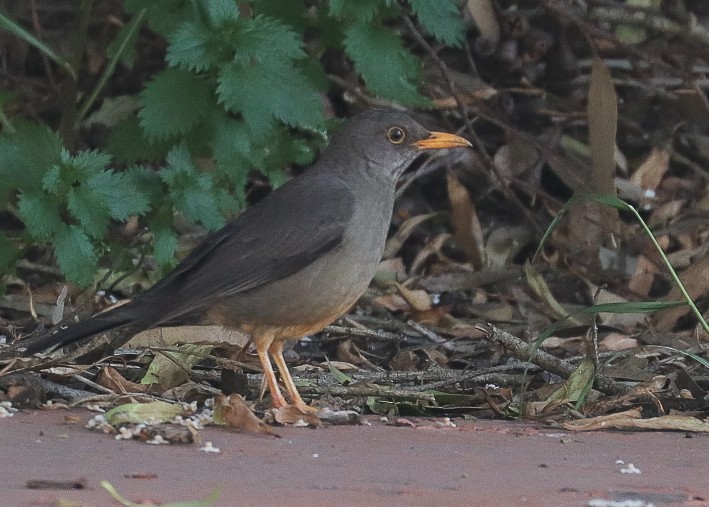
[{"x": 388, "y": 141}]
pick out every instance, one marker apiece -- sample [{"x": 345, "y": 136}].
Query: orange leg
[
  {"x": 277, "y": 398},
  {"x": 276, "y": 350}
]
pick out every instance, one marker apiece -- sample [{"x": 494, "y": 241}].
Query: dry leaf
[
  {"x": 171, "y": 368},
  {"x": 188, "y": 334},
  {"x": 393, "y": 244},
  {"x": 109, "y": 378},
  {"x": 466, "y": 226},
  {"x": 483, "y": 13},
  {"x": 393, "y": 303},
  {"x": 417, "y": 298},
  {"x": 233, "y": 412},
  {"x": 401, "y": 421},
  {"x": 615, "y": 342},
  {"x": 631, "y": 420},
  {"x": 696, "y": 281},
  {"x": 290, "y": 414},
  {"x": 515, "y": 159},
  {"x": 641, "y": 281},
  {"x": 650, "y": 173}
]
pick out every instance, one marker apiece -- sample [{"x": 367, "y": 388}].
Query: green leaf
[
  {"x": 361, "y": 10},
  {"x": 75, "y": 254},
  {"x": 191, "y": 47},
  {"x": 40, "y": 213},
  {"x": 83, "y": 164},
  {"x": 387, "y": 68},
  {"x": 442, "y": 18},
  {"x": 123, "y": 46},
  {"x": 136, "y": 413},
  {"x": 220, "y": 11},
  {"x": 262, "y": 92},
  {"x": 26, "y": 155},
  {"x": 232, "y": 149},
  {"x": 89, "y": 210},
  {"x": 266, "y": 39},
  {"x": 118, "y": 193},
  {"x": 173, "y": 103},
  {"x": 164, "y": 240},
  {"x": 148, "y": 181},
  {"x": 340, "y": 378},
  {"x": 192, "y": 193}
]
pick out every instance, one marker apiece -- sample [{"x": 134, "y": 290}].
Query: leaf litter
[{"x": 462, "y": 319}]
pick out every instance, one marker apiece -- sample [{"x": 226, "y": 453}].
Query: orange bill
[{"x": 438, "y": 140}]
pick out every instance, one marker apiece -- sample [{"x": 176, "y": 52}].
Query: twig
[
  {"x": 526, "y": 352},
  {"x": 486, "y": 376},
  {"x": 364, "y": 333},
  {"x": 655, "y": 21},
  {"x": 362, "y": 391},
  {"x": 427, "y": 333}
]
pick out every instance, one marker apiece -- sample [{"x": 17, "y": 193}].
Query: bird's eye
[{"x": 396, "y": 135}]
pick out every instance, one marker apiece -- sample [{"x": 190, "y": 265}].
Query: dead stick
[{"x": 527, "y": 352}]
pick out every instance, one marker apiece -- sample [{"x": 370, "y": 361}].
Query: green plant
[{"x": 242, "y": 90}]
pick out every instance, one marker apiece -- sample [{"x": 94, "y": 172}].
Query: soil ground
[{"x": 478, "y": 463}]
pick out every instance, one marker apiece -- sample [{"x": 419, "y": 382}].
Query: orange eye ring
[{"x": 396, "y": 135}]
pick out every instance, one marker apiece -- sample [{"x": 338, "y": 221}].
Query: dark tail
[{"x": 122, "y": 316}]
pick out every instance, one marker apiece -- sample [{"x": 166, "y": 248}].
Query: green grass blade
[{"x": 19, "y": 31}]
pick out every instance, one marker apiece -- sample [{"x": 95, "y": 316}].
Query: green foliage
[
  {"x": 71, "y": 203},
  {"x": 441, "y": 18},
  {"x": 166, "y": 113},
  {"x": 192, "y": 192},
  {"x": 386, "y": 66},
  {"x": 241, "y": 91}
]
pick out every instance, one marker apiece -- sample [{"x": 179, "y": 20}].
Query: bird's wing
[{"x": 276, "y": 238}]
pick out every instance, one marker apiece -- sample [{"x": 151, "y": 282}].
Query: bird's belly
[{"x": 302, "y": 303}]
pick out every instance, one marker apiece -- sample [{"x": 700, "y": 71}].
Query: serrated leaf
[
  {"x": 26, "y": 155},
  {"x": 264, "y": 38},
  {"x": 89, "y": 210},
  {"x": 191, "y": 193},
  {"x": 361, "y": 10},
  {"x": 221, "y": 10},
  {"x": 164, "y": 241},
  {"x": 173, "y": 103},
  {"x": 75, "y": 254},
  {"x": 442, "y": 18},
  {"x": 118, "y": 194},
  {"x": 387, "y": 68},
  {"x": 179, "y": 160},
  {"x": 52, "y": 180},
  {"x": 199, "y": 204},
  {"x": 148, "y": 181},
  {"x": 84, "y": 163},
  {"x": 262, "y": 92},
  {"x": 232, "y": 151},
  {"x": 190, "y": 47},
  {"x": 40, "y": 214}
]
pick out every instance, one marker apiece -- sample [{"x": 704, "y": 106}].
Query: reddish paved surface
[{"x": 476, "y": 464}]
